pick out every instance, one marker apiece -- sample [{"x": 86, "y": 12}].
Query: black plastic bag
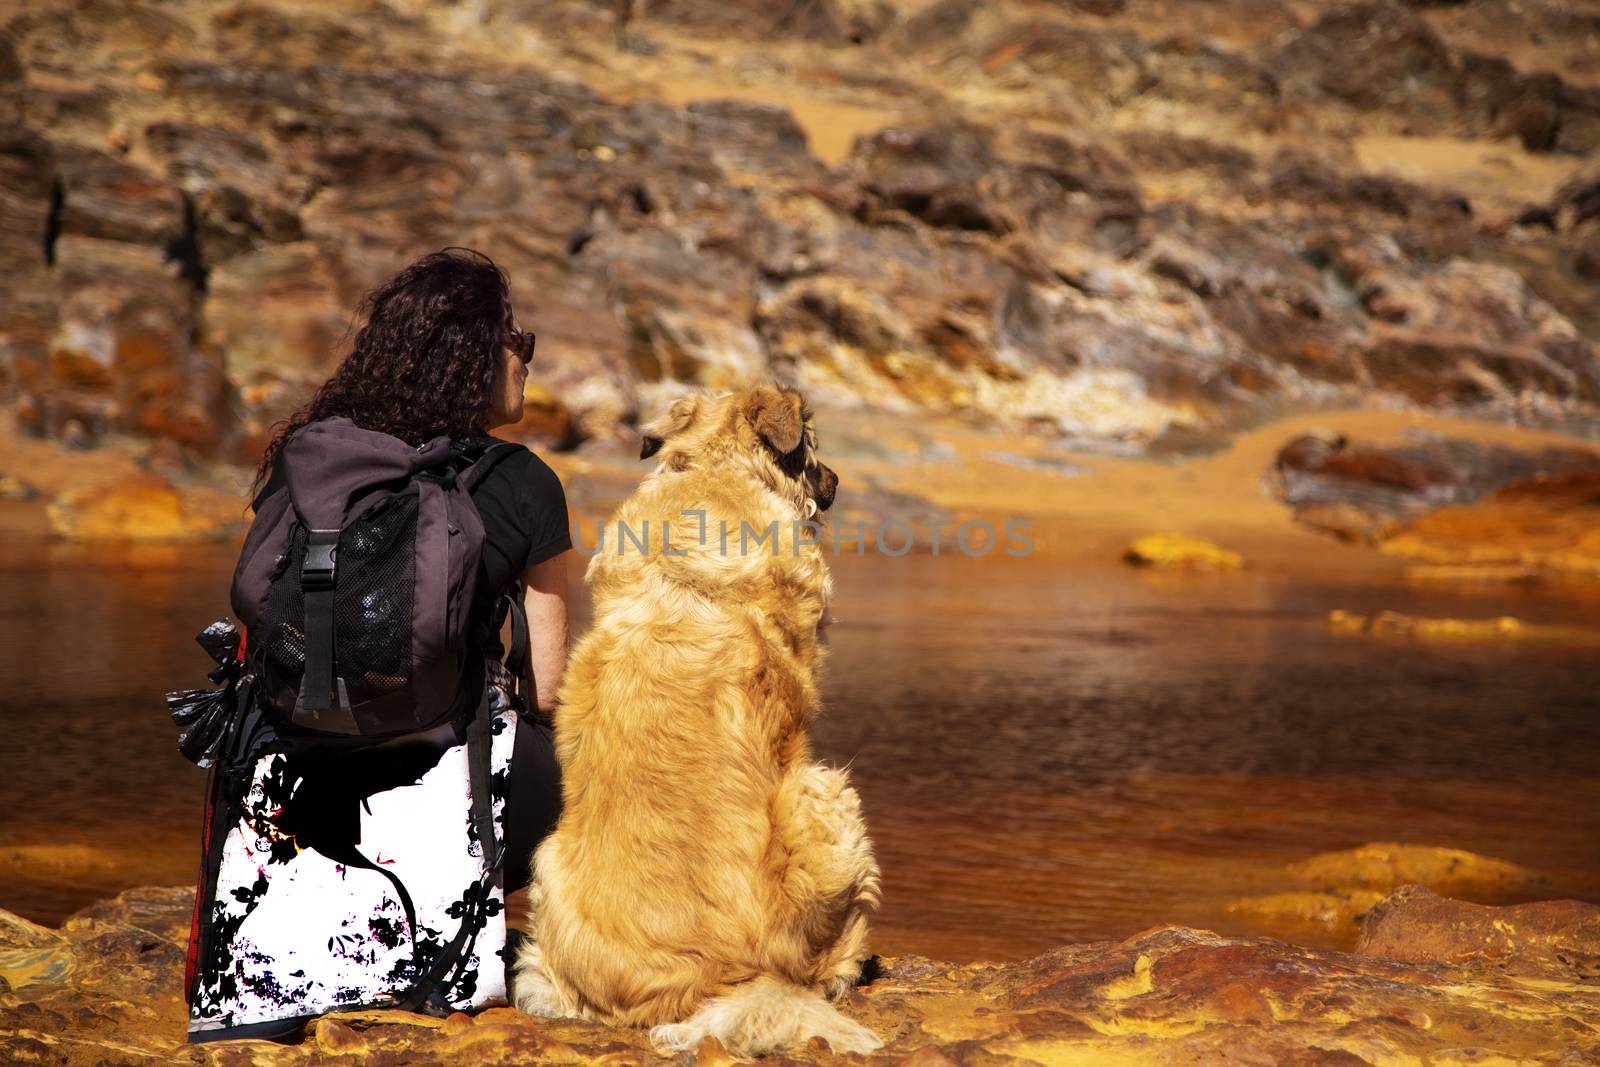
[{"x": 208, "y": 718}]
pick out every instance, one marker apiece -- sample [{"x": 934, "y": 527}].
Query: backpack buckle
[{"x": 322, "y": 549}]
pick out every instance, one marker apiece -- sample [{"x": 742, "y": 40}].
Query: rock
[
  {"x": 1587, "y": 263},
  {"x": 1377, "y": 495},
  {"x": 1371, "y": 55},
  {"x": 1397, "y": 623},
  {"x": 58, "y": 861},
  {"x": 146, "y": 509},
  {"x": 545, "y": 418},
  {"x": 107, "y": 337},
  {"x": 1385, "y": 866},
  {"x": 1342, "y": 888},
  {"x": 753, "y": 138},
  {"x": 1179, "y": 551},
  {"x": 1556, "y": 939},
  {"x": 335, "y": 1037},
  {"x": 1093, "y": 62},
  {"x": 107, "y": 199},
  {"x": 1344, "y": 520},
  {"x": 1072, "y": 219},
  {"x": 1467, "y": 331},
  {"x": 275, "y": 312},
  {"x": 1099, "y": 7},
  {"x": 712, "y": 1053},
  {"x": 1436, "y": 977},
  {"x": 1499, "y": 628},
  {"x": 121, "y": 358},
  {"x": 1547, "y": 523},
  {"x": 1513, "y": 573},
  {"x": 1579, "y": 198},
  {"x": 15, "y": 489},
  {"x": 1330, "y": 909},
  {"x": 1380, "y": 56},
  {"x": 931, "y": 174},
  {"x": 826, "y": 21},
  {"x": 160, "y": 910},
  {"x": 1463, "y": 369},
  {"x": 111, "y": 989},
  {"x": 31, "y": 955}
]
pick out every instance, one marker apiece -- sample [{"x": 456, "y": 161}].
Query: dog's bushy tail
[{"x": 764, "y": 1016}]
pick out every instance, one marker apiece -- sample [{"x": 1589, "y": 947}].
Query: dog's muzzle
[{"x": 824, "y": 484}]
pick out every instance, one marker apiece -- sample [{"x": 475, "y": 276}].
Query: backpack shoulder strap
[
  {"x": 517, "y": 661},
  {"x": 486, "y": 461}
]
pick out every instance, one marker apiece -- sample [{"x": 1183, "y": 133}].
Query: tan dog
[{"x": 706, "y": 876}]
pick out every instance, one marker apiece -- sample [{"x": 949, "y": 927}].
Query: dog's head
[{"x": 766, "y": 428}]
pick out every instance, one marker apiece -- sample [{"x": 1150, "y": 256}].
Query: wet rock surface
[
  {"x": 1541, "y": 526},
  {"x": 1435, "y": 979},
  {"x": 1338, "y": 891},
  {"x": 145, "y": 509},
  {"x": 1083, "y": 219},
  {"x": 1445, "y": 502},
  {"x": 1557, "y": 937},
  {"x": 1181, "y": 552}
]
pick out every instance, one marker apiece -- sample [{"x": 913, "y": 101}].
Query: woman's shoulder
[
  {"x": 522, "y": 502},
  {"x": 521, "y": 470}
]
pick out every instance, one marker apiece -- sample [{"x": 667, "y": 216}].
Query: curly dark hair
[{"x": 424, "y": 363}]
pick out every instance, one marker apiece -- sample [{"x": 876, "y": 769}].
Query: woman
[{"x": 439, "y": 354}]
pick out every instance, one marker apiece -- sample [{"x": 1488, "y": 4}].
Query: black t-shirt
[{"x": 524, "y": 513}]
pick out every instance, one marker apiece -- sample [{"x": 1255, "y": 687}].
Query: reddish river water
[{"x": 1046, "y": 754}]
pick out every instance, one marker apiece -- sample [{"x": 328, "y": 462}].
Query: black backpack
[{"x": 357, "y": 578}]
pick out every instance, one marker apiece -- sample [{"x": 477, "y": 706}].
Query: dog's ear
[
  {"x": 778, "y": 416},
  {"x": 675, "y": 419}
]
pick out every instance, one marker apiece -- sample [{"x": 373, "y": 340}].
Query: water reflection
[{"x": 1077, "y": 754}]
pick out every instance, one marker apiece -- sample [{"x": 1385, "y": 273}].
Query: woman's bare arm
[{"x": 546, "y": 603}]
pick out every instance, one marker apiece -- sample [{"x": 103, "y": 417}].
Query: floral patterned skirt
[{"x": 344, "y": 877}]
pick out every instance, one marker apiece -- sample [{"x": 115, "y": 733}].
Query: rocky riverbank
[
  {"x": 1424, "y": 489},
  {"x": 1003, "y": 247},
  {"x": 1432, "y": 980},
  {"x": 1123, "y": 223}
]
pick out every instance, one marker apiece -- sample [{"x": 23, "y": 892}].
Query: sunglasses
[{"x": 522, "y": 342}]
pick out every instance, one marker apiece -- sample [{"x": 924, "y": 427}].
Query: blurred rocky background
[{"x": 1114, "y": 223}]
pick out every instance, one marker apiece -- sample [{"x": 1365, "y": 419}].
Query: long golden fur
[{"x": 706, "y": 876}]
